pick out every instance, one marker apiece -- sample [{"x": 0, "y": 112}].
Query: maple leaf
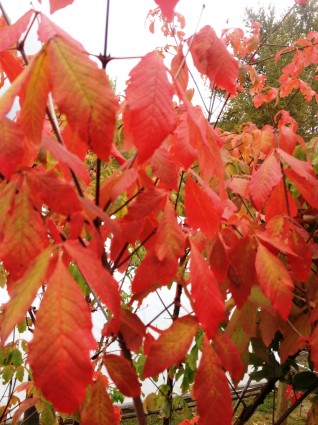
[
  {"x": 83, "y": 93},
  {"x": 59, "y": 359},
  {"x": 207, "y": 297},
  {"x": 24, "y": 235},
  {"x": 11, "y": 147},
  {"x": 122, "y": 373},
  {"x": 23, "y": 292},
  {"x": 167, "y": 7},
  {"x": 10, "y": 34},
  {"x": 171, "y": 346},
  {"x": 99, "y": 410},
  {"x": 213, "y": 395},
  {"x": 212, "y": 59},
  {"x": 149, "y": 116},
  {"x": 274, "y": 280},
  {"x": 264, "y": 179}
]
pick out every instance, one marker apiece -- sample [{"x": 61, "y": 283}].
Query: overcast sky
[{"x": 128, "y": 32}]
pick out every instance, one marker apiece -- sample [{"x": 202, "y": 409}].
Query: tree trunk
[{"x": 282, "y": 402}]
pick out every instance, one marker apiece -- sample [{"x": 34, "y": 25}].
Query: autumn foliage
[{"x": 103, "y": 201}]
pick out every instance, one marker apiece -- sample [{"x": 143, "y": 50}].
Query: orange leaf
[
  {"x": 167, "y": 7},
  {"x": 149, "y": 116},
  {"x": 10, "y": 34},
  {"x": 83, "y": 93},
  {"x": 211, "y": 58},
  {"x": 99, "y": 410},
  {"x": 99, "y": 279},
  {"x": 264, "y": 179},
  {"x": 274, "y": 280},
  {"x": 34, "y": 97},
  {"x": 11, "y": 147},
  {"x": 122, "y": 373},
  {"x": 208, "y": 301},
  {"x": 171, "y": 346},
  {"x": 24, "y": 235},
  {"x": 62, "y": 340},
  {"x": 211, "y": 389},
  {"x": 23, "y": 292}
]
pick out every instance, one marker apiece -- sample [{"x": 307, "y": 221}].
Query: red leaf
[
  {"x": 23, "y": 292},
  {"x": 11, "y": 147},
  {"x": 264, "y": 179},
  {"x": 122, "y": 373},
  {"x": 274, "y": 280},
  {"x": 150, "y": 201},
  {"x": 211, "y": 58},
  {"x": 229, "y": 355},
  {"x": 59, "y": 358},
  {"x": 59, "y": 4},
  {"x": 211, "y": 389},
  {"x": 276, "y": 204},
  {"x": 202, "y": 211},
  {"x": 24, "y": 235},
  {"x": 179, "y": 68},
  {"x": 48, "y": 29},
  {"x": 167, "y": 7},
  {"x": 307, "y": 186},
  {"x": 152, "y": 274},
  {"x": 301, "y": 2},
  {"x": 181, "y": 147},
  {"x": 149, "y": 116},
  {"x": 164, "y": 167},
  {"x": 171, "y": 346},
  {"x": 64, "y": 156},
  {"x": 242, "y": 274},
  {"x": 314, "y": 347},
  {"x": 98, "y": 278},
  {"x": 208, "y": 302},
  {"x": 10, "y": 34},
  {"x": 50, "y": 190},
  {"x": 83, "y": 93},
  {"x": 99, "y": 410},
  {"x": 10, "y": 65},
  {"x": 170, "y": 241}
]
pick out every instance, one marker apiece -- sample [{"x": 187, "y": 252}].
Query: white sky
[{"x": 128, "y": 32}]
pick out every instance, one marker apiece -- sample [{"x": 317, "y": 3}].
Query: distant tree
[{"x": 296, "y": 24}]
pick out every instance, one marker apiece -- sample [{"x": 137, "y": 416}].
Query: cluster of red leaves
[{"x": 230, "y": 240}]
